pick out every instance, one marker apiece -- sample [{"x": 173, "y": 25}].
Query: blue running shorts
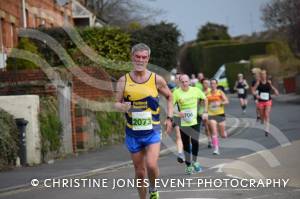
[{"x": 136, "y": 144}]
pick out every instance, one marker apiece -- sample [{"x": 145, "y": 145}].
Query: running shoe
[
  {"x": 216, "y": 152},
  {"x": 257, "y": 119},
  {"x": 154, "y": 195},
  {"x": 225, "y": 134},
  {"x": 266, "y": 133},
  {"x": 180, "y": 158},
  {"x": 189, "y": 170},
  {"x": 197, "y": 167},
  {"x": 209, "y": 145}
]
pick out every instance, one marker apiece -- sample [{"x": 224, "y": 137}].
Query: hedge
[
  {"x": 234, "y": 68},
  {"x": 218, "y": 42},
  {"x": 208, "y": 57}
]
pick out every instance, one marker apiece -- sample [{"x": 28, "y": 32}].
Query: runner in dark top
[
  {"x": 241, "y": 86},
  {"x": 265, "y": 87}
]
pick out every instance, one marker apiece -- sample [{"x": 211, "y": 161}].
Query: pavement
[
  {"x": 83, "y": 165},
  {"x": 89, "y": 163}
]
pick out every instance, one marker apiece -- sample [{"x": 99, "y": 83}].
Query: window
[
  {"x": 35, "y": 21},
  {"x": 1, "y": 34},
  {"x": 2, "y": 51},
  {"x": 12, "y": 34},
  {"x": 27, "y": 19}
]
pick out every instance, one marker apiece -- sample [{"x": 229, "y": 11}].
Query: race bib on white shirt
[
  {"x": 141, "y": 121},
  {"x": 189, "y": 115},
  {"x": 241, "y": 91},
  {"x": 264, "y": 96}
]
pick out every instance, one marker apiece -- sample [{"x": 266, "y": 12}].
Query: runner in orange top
[{"x": 216, "y": 113}]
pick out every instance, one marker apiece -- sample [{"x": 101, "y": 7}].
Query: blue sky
[{"x": 241, "y": 16}]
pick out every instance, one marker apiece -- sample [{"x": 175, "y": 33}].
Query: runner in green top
[
  {"x": 199, "y": 83},
  {"x": 187, "y": 98}
]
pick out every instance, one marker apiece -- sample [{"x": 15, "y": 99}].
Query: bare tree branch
[
  {"x": 284, "y": 15},
  {"x": 123, "y": 12}
]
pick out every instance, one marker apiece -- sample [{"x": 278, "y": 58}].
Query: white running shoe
[{"x": 216, "y": 152}]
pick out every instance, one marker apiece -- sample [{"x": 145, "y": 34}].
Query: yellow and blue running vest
[{"x": 143, "y": 117}]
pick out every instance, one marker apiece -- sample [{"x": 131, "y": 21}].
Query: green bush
[
  {"x": 209, "y": 59},
  {"x": 163, "y": 39},
  {"x": 50, "y": 126},
  {"x": 18, "y": 64},
  {"x": 8, "y": 140},
  {"x": 213, "y": 31},
  {"x": 112, "y": 127},
  {"x": 279, "y": 60},
  {"x": 111, "y": 44},
  {"x": 281, "y": 50}
]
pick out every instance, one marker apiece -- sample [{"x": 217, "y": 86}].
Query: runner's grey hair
[{"x": 140, "y": 47}]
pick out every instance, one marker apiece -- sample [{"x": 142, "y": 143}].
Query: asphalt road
[{"x": 247, "y": 154}]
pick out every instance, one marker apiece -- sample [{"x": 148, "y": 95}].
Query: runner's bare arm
[
  {"x": 165, "y": 91},
  {"x": 246, "y": 84},
  {"x": 225, "y": 99},
  {"x": 119, "y": 105},
  {"x": 255, "y": 87},
  {"x": 235, "y": 86},
  {"x": 205, "y": 105},
  {"x": 205, "y": 113},
  {"x": 274, "y": 89}
]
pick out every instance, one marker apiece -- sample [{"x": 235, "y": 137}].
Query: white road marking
[{"x": 219, "y": 168}]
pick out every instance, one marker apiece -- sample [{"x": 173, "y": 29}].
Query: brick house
[{"x": 16, "y": 14}]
